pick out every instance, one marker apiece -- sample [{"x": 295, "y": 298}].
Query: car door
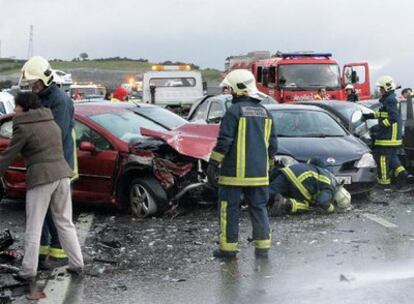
[
  {"x": 216, "y": 112},
  {"x": 357, "y": 74},
  {"x": 96, "y": 168},
  {"x": 200, "y": 114},
  {"x": 14, "y": 179}
]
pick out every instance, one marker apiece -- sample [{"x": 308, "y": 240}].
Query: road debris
[{"x": 343, "y": 278}]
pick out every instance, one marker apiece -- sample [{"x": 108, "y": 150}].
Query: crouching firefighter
[
  {"x": 246, "y": 142},
  {"x": 299, "y": 187},
  {"x": 387, "y": 138}
]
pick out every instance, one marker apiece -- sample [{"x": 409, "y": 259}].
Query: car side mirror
[
  {"x": 87, "y": 146},
  {"x": 205, "y": 87},
  {"x": 215, "y": 119},
  {"x": 356, "y": 117}
]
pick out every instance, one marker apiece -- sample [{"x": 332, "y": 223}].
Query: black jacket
[
  {"x": 61, "y": 106},
  {"x": 246, "y": 142},
  {"x": 389, "y": 122},
  {"x": 353, "y": 97}
]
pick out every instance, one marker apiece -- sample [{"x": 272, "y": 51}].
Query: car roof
[
  {"x": 332, "y": 103},
  {"x": 93, "y": 108},
  {"x": 291, "y": 106}
]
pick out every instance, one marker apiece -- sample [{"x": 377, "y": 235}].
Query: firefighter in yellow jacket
[{"x": 246, "y": 142}]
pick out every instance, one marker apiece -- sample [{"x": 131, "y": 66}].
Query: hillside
[{"x": 108, "y": 72}]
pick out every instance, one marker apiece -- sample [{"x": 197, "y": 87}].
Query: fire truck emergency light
[{"x": 298, "y": 55}]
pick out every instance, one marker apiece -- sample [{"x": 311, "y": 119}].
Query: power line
[{"x": 30, "y": 49}]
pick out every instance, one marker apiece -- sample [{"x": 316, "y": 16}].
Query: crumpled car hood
[{"x": 194, "y": 140}]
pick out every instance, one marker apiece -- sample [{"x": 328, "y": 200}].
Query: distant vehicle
[
  {"x": 172, "y": 86},
  {"x": 292, "y": 77},
  {"x": 212, "y": 108},
  {"x": 6, "y": 103},
  {"x": 63, "y": 79},
  {"x": 81, "y": 91}
]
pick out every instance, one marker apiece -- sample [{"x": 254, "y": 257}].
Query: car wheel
[{"x": 147, "y": 197}]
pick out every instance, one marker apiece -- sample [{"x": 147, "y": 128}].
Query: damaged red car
[{"x": 140, "y": 157}]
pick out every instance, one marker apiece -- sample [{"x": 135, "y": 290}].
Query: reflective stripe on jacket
[
  {"x": 310, "y": 181},
  {"x": 389, "y": 122},
  {"x": 246, "y": 142}
]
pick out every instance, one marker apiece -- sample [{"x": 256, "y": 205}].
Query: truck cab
[
  {"x": 292, "y": 77},
  {"x": 87, "y": 91},
  {"x": 172, "y": 86}
]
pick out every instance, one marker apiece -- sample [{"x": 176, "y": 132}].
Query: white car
[{"x": 6, "y": 103}]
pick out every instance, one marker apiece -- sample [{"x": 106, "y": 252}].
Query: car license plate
[{"x": 346, "y": 180}]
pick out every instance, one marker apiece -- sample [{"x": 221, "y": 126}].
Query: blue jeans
[{"x": 49, "y": 232}]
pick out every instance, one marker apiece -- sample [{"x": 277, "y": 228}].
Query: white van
[{"x": 172, "y": 86}]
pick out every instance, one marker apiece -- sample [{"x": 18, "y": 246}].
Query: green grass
[
  {"x": 211, "y": 74},
  {"x": 8, "y": 66},
  {"x": 103, "y": 65}
]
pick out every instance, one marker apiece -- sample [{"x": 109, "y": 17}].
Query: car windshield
[
  {"x": 161, "y": 116},
  {"x": 309, "y": 76},
  {"x": 173, "y": 82},
  {"x": 305, "y": 123},
  {"x": 125, "y": 124}
]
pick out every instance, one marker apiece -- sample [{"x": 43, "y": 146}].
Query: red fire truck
[{"x": 290, "y": 77}]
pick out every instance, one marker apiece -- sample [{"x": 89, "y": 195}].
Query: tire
[{"x": 146, "y": 197}]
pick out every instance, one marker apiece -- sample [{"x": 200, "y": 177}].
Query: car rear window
[
  {"x": 173, "y": 82},
  {"x": 125, "y": 125}
]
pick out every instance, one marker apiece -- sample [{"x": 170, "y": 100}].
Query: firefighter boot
[
  {"x": 221, "y": 254},
  {"x": 261, "y": 253},
  {"x": 402, "y": 183},
  {"x": 281, "y": 206},
  {"x": 58, "y": 257},
  {"x": 43, "y": 258}
]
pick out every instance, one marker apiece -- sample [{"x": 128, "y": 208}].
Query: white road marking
[
  {"x": 379, "y": 220},
  {"x": 57, "y": 286}
]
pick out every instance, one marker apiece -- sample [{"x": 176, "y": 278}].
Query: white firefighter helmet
[
  {"x": 243, "y": 83},
  {"x": 342, "y": 198},
  {"x": 387, "y": 83},
  {"x": 349, "y": 87},
  {"x": 37, "y": 68}
]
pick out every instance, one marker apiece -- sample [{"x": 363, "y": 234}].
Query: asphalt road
[{"x": 362, "y": 256}]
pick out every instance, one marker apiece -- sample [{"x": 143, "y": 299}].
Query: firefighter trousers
[
  {"x": 389, "y": 165},
  {"x": 229, "y": 211}
]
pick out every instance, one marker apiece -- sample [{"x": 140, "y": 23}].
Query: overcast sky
[{"x": 206, "y": 32}]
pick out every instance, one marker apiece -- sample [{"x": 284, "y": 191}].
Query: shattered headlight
[
  {"x": 366, "y": 161},
  {"x": 285, "y": 160}
]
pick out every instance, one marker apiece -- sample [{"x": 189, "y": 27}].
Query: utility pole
[{"x": 30, "y": 49}]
